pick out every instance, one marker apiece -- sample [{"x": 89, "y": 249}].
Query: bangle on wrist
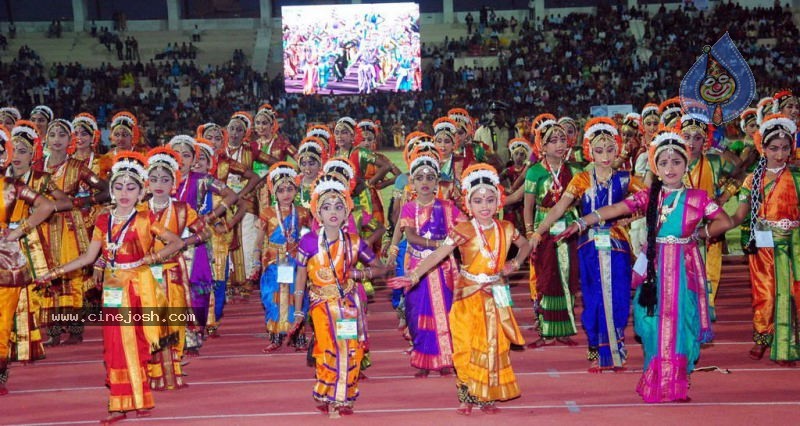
[
  {"x": 299, "y": 315},
  {"x": 706, "y": 229},
  {"x": 299, "y": 293},
  {"x": 414, "y": 277}
]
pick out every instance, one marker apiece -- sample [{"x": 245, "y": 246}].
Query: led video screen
[{"x": 351, "y": 49}]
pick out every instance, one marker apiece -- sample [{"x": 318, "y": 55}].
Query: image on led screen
[{"x": 351, "y": 49}]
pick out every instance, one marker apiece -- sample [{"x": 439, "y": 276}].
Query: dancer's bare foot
[
  {"x": 490, "y": 408},
  {"x": 113, "y": 417},
  {"x": 465, "y": 409}
]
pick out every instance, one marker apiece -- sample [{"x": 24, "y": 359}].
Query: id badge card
[
  {"x": 558, "y": 227},
  {"x": 602, "y": 239},
  {"x": 347, "y": 329},
  {"x": 502, "y": 296},
  {"x": 285, "y": 273},
  {"x": 158, "y": 273},
  {"x": 112, "y": 297},
  {"x": 764, "y": 239},
  {"x": 640, "y": 267}
]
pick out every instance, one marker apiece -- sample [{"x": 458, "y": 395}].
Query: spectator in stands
[
  {"x": 3, "y": 42},
  {"x": 135, "y": 49},
  {"x": 469, "y": 20},
  {"x": 12, "y": 30},
  {"x": 94, "y": 29},
  {"x": 128, "y": 49},
  {"x": 196, "y": 33},
  {"x": 118, "y": 45}
]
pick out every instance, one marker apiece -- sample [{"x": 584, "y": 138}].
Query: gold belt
[{"x": 329, "y": 292}]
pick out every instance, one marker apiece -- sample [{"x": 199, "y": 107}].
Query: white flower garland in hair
[
  {"x": 519, "y": 145},
  {"x": 319, "y": 132},
  {"x": 567, "y": 118},
  {"x": 695, "y": 116},
  {"x": 785, "y": 123},
  {"x": 5, "y": 135},
  {"x": 346, "y": 120},
  {"x": 209, "y": 150},
  {"x": 545, "y": 123},
  {"x": 763, "y": 108},
  {"x": 329, "y": 185},
  {"x": 341, "y": 164},
  {"x": 649, "y": 109},
  {"x": 45, "y": 109},
  {"x": 459, "y": 117},
  {"x": 422, "y": 161},
  {"x": 601, "y": 127},
  {"x": 444, "y": 126},
  {"x": 367, "y": 125},
  {"x": 283, "y": 171},
  {"x": 13, "y": 111},
  {"x": 122, "y": 118},
  {"x": 743, "y": 121},
  {"x": 246, "y": 119},
  {"x": 632, "y": 116},
  {"x": 308, "y": 146},
  {"x": 154, "y": 161},
  {"x": 125, "y": 166},
  {"x": 476, "y": 174},
  {"x": 24, "y": 130},
  {"x": 182, "y": 139},
  {"x": 82, "y": 119},
  {"x": 62, "y": 122},
  {"x": 665, "y": 136},
  {"x": 667, "y": 112}
]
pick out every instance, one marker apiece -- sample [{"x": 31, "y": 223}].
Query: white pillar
[
  {"x": 173, "y": 15},
  {"x": 79, "y": 14},
  {"x": 448, "y": 14},
  {"x": 539, "y": 10},
  {"x": 266, "y": 12}
]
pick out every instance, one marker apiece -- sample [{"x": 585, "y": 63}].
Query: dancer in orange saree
[
  {"x": 14, "y": 278},
  {"x": 327, "y": 266},
  {"x": 770, "y": 196},
  {"x": 482, "y": 323},
  {"x": 125, "y": 237}
]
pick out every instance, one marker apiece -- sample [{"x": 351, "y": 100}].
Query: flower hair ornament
[
  {"x": 342, "y": 169},
  {"x": 87, "y": 122},
  {"x": 539, "y": 119},
  {"x": 327, "y": 186},
  {"x": 10, "y": 112},
  {"x": 669, "y": 111},
  {"x": 422, "y": 161},
  {"x": 280, "y": 173},
  {"x": 774, "y": 126},
  {"x": 412, "y": 139},
  {"x": 461, "y": 117},
  {"x": 545, "y": 129},
  {"x": 128, "y": 121},
  {"x": 482, "y": 178},
  {"x": 650, "y": 109},
  {"x": 445, "y": 125},
  {"x": 764, "y": 108},
  {"x": 269, "y": 112},
  {"x": 314, "y": 148},
  {"x": 167, "y": 159},
  {"x": 43, "y": 110},
  {"x": 520, "y": 145},
  {"x": 750, "y": 115},
  {"x": 320, "y": 131},
  {"x": 206, "y": 147},
  {"x": 129, "y": 164},
  {"x": 6, "y": 145},
  {"x": 780, "y": 100},
  {"x": 665, "y": 141},
  {"x": 204, "y": 129},
  {"x": 633, "y": 121},
  {"x": 247, "y": 121},
  {"x": 597, "y": 130},
  {"x": 60, "y": 122},
  {"x": 693, "y": 122},
  {"x": 24, "y": 132},
  {"x": 187, "y": 140}
]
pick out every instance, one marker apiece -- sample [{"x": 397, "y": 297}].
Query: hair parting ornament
[
  {"x": 326, "y": 187},
  {"x": 774, "y": 126},
  {"x": 10, "y": 112},
  {"x": 650, "y": 109},
  {"x": 462, "y": 118},
  {"x": 206, "y": 147},
  {"x": 346, "y": 122},
  {"x": 422, "y": 161},
  {"x": 544, "y": 130},
  {"x": 520, "y": 145},
  {"x": 167, "y": 159},
  {"x": 669, "y": 110},
  {"x": 666, "y": 141},
  {"x": 481, "y": 177},
  {"x": 749, "y": 115},
  {"x": 312, "y": 147},
  {"x": 764, "y": 108},
  {"x": 25, "y": 131},
  {"x": 597, "y": 130},
  {"x": 44, "y": 110},
  {"x": 129, "y": 164},
  {"x": 342, "y": 169},
  {"x": 780, "y": 99},
  {"x": 60, "y": 122},
  {"x": 280, "y": 173}
]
